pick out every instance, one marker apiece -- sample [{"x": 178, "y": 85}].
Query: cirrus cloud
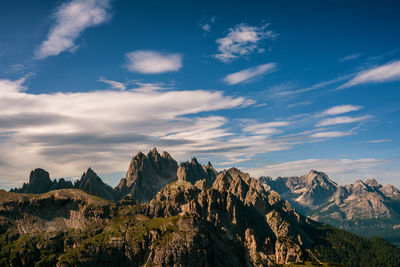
[
  {"x": 342, "y": 120},
  {"x": 384, "y": 73},
  {"x": 341, "y": 109},
  {"x": 249, "y": 74}
]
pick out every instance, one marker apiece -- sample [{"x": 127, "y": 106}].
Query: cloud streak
[
  {"x": 250, "y": 74},
  {"x": 385, "y": 73},
  {"x": 332, "y": 134},
  {"x": 342, "y": 120},
  {"x": 113, "y": 84},
  {"x": 72, "y": 19},
  {"x": 350, "y": 57},
  {"x": 336, "y": 110}
]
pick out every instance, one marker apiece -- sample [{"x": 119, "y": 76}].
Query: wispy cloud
[
  {"x": 149, "y": 87},
  {"x": 206, "y": 24},
  {"x": 249, "y": 74},
  {"x": 384, "y": 73},
  {"x": 350, "y": 57},
  {"x": 336, "y": 110},
  {"x": 267, "y": 128},
  {"x": 299, "y": 104},
  {"x": 72, "y": 19},
  {"x": 284, "y": 93},
  {"x": 380, "y": 141},
  {"x": 243, "y": 40},
  {"x": 152, "y": 62},
  {"x": 332, "y": 134},
  {"x": 342, "y": 120},
  {"x": 113, "y": 84}
]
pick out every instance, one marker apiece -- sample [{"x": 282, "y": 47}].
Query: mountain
[
  {"x": 233, "y": 222},
  {"x": 366, "y": 208},
  {"x": 147, "y": 174},
  {"x": 92, "y": 184},
  {"x": 40, "y": 182}
]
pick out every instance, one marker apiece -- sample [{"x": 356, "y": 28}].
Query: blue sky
[{"x": 273, "y": 87}]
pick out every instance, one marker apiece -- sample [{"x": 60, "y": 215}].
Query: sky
[{"x": 275, "y": 88}]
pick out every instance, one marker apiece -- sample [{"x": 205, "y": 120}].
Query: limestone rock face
[
  {"x": 147, "y": 174},
  {"x": 192, "y": 172}
]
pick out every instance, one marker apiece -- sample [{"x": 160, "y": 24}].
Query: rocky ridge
[{"x": 365, "y": 207}]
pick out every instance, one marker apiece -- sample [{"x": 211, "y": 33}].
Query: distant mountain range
[
  {"x": 365, "y": 207},
  {"x": 165, "y": 214}
]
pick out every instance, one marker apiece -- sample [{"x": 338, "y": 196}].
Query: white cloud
[
  {"x": 248, "y": 74},
  {"x": 152, "y": 62},
  {"x": 113, "y": 84},
  {"x": 72, "y": 19},
  {"x": 341, "y": 109},
  {"x": 332, "y": 134},
  {"x": 350, "y": 57},
  {"x": 243, "y": 40},
  {"x": 384, "y": 73},
  {"x": 340, "y": 170},
  {"x": 342, "y": 120},
  {"x": 67, "y": 132}
]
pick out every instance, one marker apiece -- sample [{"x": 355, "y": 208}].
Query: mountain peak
[
  {"x": 147, "y": 174},
  {"x": 194, "y": 161},
  {"x": 166, "y": 155},
  {"x": 373, "y": 183},
  {"x": 39, "y": 181}
]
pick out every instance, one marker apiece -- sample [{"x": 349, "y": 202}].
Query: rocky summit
[
  {"x": 147, "y": 174},
  {"x": 165, "y": 215}
]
